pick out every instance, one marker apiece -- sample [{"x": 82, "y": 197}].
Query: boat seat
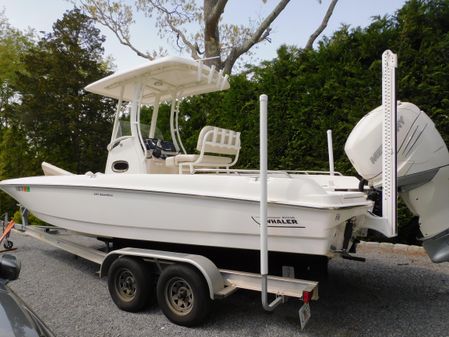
[
  {"x": 224, "y": 144},
  {"x": 191, "y": 158}
]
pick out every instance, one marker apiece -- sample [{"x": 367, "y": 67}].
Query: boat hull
[{"x": 175, "y": 217}]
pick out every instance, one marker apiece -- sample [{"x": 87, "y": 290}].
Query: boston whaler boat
[{"x": 154, "y": 191}]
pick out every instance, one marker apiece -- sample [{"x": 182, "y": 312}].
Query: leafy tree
[
  {"x": 221, "y": 43},
  {"x": 63, "y": 123},
  {"x": 423, "y": 46},
  {"x": 13, "y": 44},
  {"x": 15, "y": 159}
]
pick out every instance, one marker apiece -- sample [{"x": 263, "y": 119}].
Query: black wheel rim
[
  {"x": 125, "y": 285},
  {"x": 179, "y": 296}
]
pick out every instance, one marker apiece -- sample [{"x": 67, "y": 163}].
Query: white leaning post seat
[{"x": 211, "y": 140}]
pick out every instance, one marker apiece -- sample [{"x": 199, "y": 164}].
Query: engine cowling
[
  {"x": 423, "y": 169},
  {"x": 420, "y": 147}
]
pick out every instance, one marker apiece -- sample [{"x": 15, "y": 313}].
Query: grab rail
[{"x": 256, "y": 172}]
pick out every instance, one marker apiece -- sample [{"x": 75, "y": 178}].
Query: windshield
[{"x": 124, "y": 129}]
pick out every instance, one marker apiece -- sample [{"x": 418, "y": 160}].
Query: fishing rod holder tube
[
  {"x": 263, "y": 207},
  {"x": 330, "y": 150}
]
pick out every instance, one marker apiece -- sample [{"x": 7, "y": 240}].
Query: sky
[{"x": 293, "y": 26}]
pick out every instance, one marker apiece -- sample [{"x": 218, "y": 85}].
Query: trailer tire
[
  {"x": 183, "y": 295},
  {"x": 129, "y": 283},
  {"x": 8, "y": 244}
]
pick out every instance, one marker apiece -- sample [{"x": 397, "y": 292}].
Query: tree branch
[
  {"x": 256, "y": 37},
  {"x": 179, "y": 33},
  {"x": 192, "y": 47},
  {"x": 107, "y": 20},
  {"x": 126, "y": 42},
  {"x": 323, "y": 25}
]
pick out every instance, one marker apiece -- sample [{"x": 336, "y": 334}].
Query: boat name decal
[
  {"x": 279, "y": 221},
  {"x": 23, "y": 188},
  {"x": 101, "y": 194},
  {"x": 282, "y": 220}
]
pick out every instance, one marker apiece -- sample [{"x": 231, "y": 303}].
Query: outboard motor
[{"x": 423, "y": 169}]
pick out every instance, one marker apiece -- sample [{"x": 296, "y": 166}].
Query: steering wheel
[
  {"x": 159, "y": 148},
  {"x": 152, "y": 144}
]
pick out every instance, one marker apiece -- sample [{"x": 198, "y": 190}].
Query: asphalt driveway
[{"x": 395, "y": 293}]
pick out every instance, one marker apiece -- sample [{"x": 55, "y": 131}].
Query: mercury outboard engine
[{"x": 422, "y": 169}]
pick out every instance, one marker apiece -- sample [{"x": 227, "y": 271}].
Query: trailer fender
[{"x": 205, "y": 266}]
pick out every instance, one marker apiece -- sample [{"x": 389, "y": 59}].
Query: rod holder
[
  {"x": 263, "y": 206},
  {"x": 330, "y": 150}
]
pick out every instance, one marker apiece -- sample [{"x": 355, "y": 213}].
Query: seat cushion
[{"x": 190, "y": 158}]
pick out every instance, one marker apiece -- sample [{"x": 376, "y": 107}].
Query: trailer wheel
[
  {"x": 8, "y": 244},
  {"x": 183, "y": 295},
  {"x": 129, "y": 284}
]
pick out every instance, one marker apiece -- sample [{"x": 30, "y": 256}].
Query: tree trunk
[{"x": 213, "y": 9}]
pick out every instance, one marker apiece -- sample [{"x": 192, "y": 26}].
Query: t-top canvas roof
[{"x": 163, "y": 77}]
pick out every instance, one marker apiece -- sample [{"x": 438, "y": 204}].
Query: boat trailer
[{"x": 219, "y": 283}]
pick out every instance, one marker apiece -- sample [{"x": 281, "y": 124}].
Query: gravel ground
[{"x": 395, "y": 293}]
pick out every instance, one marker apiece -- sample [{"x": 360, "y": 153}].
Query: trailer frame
[{"x": 221, "y": 283}]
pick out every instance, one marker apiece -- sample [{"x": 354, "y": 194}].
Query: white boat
[{"x": 152, "y": 190}]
